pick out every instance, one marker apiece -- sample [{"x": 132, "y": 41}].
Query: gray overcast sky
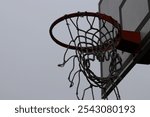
[{"x": 29, "y": 58}]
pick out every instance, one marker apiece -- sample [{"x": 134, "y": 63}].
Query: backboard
[{"x": 133, "y": 15}]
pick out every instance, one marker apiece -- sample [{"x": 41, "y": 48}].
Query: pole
[{"x": 101, "y": 63}]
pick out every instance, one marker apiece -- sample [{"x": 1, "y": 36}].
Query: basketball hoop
[
  {"x": 93, "y": 43},
  {"x": 103, "y": 17}
]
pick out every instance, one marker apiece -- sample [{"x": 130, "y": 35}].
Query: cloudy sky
[{"x": 29, "y": 57}]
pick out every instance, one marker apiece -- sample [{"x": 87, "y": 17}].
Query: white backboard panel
[{"x": 133, "y": 15}]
